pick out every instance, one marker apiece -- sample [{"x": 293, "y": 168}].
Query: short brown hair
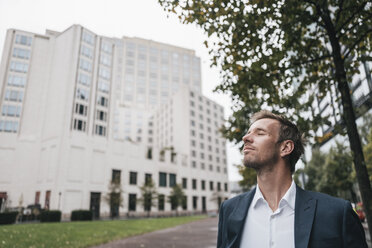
[{"x": 288, "y": 131}]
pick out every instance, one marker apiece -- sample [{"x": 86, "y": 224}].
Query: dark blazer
[{"x": 321, "y": 221}]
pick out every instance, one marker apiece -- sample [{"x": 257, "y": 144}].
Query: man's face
[{"x": 260, "y": 144}]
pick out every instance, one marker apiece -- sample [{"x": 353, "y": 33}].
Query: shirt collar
[{"x": 288, "y": 198}]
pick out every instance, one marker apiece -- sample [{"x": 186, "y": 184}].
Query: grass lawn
[{"x": 81, "y": 234}]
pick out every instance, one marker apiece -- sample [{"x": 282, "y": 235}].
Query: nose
[{"x": 247, "y": 138}]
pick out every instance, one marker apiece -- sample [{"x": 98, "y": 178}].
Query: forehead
[{"x": 265, "y": 124}]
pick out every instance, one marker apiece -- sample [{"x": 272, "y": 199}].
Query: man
[{"x": 278, "y": 213}]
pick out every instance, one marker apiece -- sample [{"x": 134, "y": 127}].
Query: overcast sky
[{"x": 117, "y": 18}]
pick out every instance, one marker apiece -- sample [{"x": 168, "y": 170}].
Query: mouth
[{"x": 248, "y": 149}]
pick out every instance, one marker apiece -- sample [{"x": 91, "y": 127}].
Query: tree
[
  {"x": 365, "y": 129},
  {"x": 368, "y": 151},
  {"x": 249, "y": 177},
  {"x": 114, "y": 197},
  {"x": 176, "y": 197},
  {"x": 331, "y": 173},
  {"x": 149, "y": 195},
  {"x": 273, "y": 54},
  {"x": 338, "y": 175}
]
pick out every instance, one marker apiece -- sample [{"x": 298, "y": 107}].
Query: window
[
  {"x": 84, "y": 79},
  {"x": 37, "y": 197},
  {"x": 81, "y": 109},
  {"x": 194, "y": 202},
  {"x": 218, "y": 186},
  {"x": 88, "y": 38},
  {"x": 203, "y": 184},
  {"x": 193, "y": 164},
  {"x": 184, "y": 202},
  {"x": 85, "y": 65},
  {"x": 211, "y": 186},
  {"x": 193, "y": 153},
  {"x": 102, "y": 101},
  {"x": 18, "y": 81},
  {"x": 23, "y": 40},
  {"x": 106, "y": 47},
  {"x": 132, "y": 202},
  {"x": 18, "y": 66},
  {"x": 184, "y": 183},
  {"x": 148, "y": 178},
  {"x": 161, "y": 200},
  {"x": 100, "y": 130},
  {"x": 79, "y": 125},
  {"x": 9, "y": 126},
  {"x": 226, "y": 188},
  {"x": 11, "y": 110},
  {"x": 172, "y": 180},
  {"x": 21, "y": 53},
  {"x": 162, "y": 179},
  {"x": 194, "y": 184},
  {"x": 14, "y": 95},
  {"x": 105, "y": 60},
  {"x": 149, "y": 151},
  {"x": 115, "y": 176},
  {"x": 82, "y": 94},
  {"x": 101, "y": 115},
  {"x": 104, "y": 73},
  {"x": 47, "y": 199},
  {"x": 86, "y": 51},
  {"x": 133, "y": 178}
]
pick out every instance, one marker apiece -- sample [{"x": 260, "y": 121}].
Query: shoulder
[
  {"x": 234, "y": 201},
  {"x": 326, "y": 201}
]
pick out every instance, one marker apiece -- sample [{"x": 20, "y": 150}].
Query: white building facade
[{"x": 79, "y": 110}]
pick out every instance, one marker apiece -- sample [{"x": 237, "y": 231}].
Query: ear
[{"x": 286, "y": 148}]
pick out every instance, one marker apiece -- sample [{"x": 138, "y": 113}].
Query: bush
[
  {"x": 50, "y": 216},
  {"x": 8, "y": 218},
  {"x": 81, "y": 215}
]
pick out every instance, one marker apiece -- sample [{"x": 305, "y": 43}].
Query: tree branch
[
  {"x": 357, "y": 23},
  {"x": 357, "y": 42},
  {"x": 339, "y": 11},
  {"x": 351, "y": 17},
  {"x": 308, "y": 61}
]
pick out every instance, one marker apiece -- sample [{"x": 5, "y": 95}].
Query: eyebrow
[{"x": 257, "y": 129}]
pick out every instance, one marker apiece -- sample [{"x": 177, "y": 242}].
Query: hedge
[
  {"x": 81, "y": 214},
  {"x": 50, "y": 216},
  {"x": 8, "y": 218}
]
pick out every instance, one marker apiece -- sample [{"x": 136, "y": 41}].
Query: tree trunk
[
  {"x": 356, "y": 148},
  {"x": 348, "y": 116}
]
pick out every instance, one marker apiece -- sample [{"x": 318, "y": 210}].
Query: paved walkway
[{"x": 202, "y": 233}]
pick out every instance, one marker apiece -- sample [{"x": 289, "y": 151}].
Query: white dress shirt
[{"x": 264, "y": 228}]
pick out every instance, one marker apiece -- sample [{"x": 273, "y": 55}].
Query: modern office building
[
  {"x": 330, "y": 106},
  {"x": 79, "y": 111}
]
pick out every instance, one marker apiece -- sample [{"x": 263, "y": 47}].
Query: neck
[{"x": 274, "y": 183}]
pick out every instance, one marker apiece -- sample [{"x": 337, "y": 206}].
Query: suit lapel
[
  {"x": 236, "y": 220},
  {"x": 304, "y": 217}
]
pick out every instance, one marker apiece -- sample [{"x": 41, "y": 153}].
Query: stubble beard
[{"x": 261, "y": 165}]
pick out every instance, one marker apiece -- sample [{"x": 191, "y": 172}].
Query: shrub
[
  {"x": 50, "y": 216},
  {"x": 8, "y": 218},
  {"x": 81, "y": 215}
]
